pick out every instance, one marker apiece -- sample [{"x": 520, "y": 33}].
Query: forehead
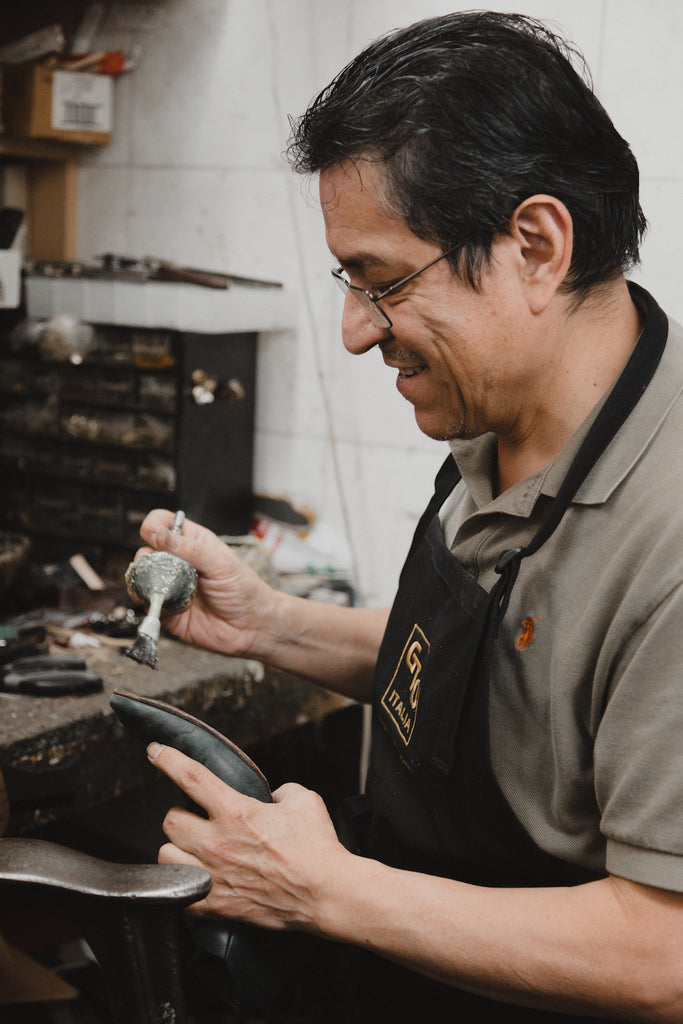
[{"x": 358, "y": 227}]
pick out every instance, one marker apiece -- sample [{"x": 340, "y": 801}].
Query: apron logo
[
  {"x": 527, "y": 634},
  {"x": 402, "y": 695}
]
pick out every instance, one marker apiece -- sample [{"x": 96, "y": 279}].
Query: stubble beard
[{"x": 460, "y": 430}]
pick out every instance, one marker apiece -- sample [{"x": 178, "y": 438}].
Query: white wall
[{"x": 195, "y": 174}]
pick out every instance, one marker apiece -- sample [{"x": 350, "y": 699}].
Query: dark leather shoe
[
  {"x": 150, "y": 719},
  {"x": 259, "y": 962}
]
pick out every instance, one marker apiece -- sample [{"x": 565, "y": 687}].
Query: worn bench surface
[{"x": 80, "y": 749}]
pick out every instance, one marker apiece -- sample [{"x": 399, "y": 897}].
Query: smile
[
  {"x": 406, "y": 370},
  {"x": 406, "y": 381}
]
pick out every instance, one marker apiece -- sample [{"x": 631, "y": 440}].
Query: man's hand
[
  {"x": 610, "y": 948},
  {"x": 232, "y": 602},
  {"x": 235, "y": 612},
  {"x": 269, "y": 862}
]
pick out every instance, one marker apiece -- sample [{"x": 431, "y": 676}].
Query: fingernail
[
  {"x": 153, "y": 750},
  {"x": 171, "y": 540}
]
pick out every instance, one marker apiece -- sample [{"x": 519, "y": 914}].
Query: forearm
[
  {"x": 610, "y": 948},
  {"x": 237, "y": 613},
  {"x": 601, "y": 949},
  {"x": 334, "y": 646}
]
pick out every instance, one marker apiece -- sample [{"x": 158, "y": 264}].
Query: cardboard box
[{"x": 71, "y": 106}]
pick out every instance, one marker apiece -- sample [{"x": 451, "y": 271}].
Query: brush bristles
[{"x": 144, "y": 651}]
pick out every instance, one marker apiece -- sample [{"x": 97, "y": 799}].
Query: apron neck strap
[
  {"x": 621, "y": 401},
  {"x": 445, "y": 480}
]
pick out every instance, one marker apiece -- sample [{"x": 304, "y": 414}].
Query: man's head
[{"x": 468, "y": 115}]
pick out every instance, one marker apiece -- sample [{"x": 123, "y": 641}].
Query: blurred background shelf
[{"x": 50, "y": 171}]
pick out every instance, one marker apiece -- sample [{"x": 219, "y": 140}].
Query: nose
[{"x": 359, "y": 332}]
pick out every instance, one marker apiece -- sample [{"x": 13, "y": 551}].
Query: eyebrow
[{"x": 362, "y": 260}]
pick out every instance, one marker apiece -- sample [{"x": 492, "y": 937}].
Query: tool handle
[
  {"x": 49, "y": 684},
  {"x": 40, "y": 662}
]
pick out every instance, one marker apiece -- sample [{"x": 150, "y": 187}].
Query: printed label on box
[{"x": 81, "y": 102}]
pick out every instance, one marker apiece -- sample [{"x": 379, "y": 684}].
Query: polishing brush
[{"x": 159, "y": 578}]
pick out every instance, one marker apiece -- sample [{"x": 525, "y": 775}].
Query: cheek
[
  {"x": 447, "y": 355},
  {"x": 461, "y": 376}
]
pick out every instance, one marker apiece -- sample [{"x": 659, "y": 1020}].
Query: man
[{"x": 525, "y": 854}]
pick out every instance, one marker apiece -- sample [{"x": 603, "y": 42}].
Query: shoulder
[{"x": 644, "y": 456}]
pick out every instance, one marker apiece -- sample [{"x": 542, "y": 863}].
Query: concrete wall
[{"x": 195, "y": 174}]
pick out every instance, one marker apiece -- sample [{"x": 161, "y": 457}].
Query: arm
[
  {"x": 235, "y": 612},
  {"x": 612, "y": 947}
]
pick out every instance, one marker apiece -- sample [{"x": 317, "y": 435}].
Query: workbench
[
  {"x": 65, "y": 756},
  {"x": 75, "y": 776}
]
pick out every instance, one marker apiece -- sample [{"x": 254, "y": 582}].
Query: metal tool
[
  {"x": 49, "y": 676},
  {"x": 247, "y": 967},
  {"x": 160, "y": 578},
  {"x": 115, "y": 267}
]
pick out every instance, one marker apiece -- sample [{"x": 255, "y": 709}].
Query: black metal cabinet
[{"x": 148, "y": 418}]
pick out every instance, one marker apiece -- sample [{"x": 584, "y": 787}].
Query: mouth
[
  {"x": 406, "y": 372},
  {"x": 408, "y": 381},
  {"x": 408, "y": 365}
]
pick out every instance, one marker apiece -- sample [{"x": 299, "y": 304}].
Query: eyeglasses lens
[{"x": 377, "y": 315}]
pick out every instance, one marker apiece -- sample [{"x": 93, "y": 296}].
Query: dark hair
[{"x": 470, "y": 114}]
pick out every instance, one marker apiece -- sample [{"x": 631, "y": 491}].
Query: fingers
[
  {"x": 269, "y": 863},
  {"x": 169, "y": 853},
  {"x": 292, "y": 791},
  {"x": 201, "y": 785},
  {"x": 199, "y": 546}
]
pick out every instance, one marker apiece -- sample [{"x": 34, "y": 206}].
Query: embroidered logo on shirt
[
  {"x": 527, "y": 634},
  {"x": 402, "y": 695}
]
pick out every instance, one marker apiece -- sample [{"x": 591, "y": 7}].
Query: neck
[{"x": 585, "y": 351}]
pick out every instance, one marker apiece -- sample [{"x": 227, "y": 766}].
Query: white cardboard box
[{"x": 72, "y": 106}]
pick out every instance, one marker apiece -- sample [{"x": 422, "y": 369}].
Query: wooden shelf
[
  {"x": 37, "y": 149},
  {"x": 51, "y": 194}
]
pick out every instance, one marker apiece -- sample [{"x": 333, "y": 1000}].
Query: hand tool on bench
[{"x": 48, "y": 675}]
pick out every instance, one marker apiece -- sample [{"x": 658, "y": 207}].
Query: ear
[{"x": 543, "y": 230}]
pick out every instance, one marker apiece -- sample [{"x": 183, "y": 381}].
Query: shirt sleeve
[{"x": 639, "y": 753}]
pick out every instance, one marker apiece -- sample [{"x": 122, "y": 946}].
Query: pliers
[{"x": 49, "y": 675}]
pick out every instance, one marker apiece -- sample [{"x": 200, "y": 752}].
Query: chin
[{"x": 459, "y": 431}]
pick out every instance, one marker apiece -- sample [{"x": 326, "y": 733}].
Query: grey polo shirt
[{"x": 586, "y": 694}]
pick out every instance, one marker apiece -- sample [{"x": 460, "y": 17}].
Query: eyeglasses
[{"x": 370, "y": 300}]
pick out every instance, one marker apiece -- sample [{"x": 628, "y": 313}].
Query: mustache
[{"x": 398, "y": 353}]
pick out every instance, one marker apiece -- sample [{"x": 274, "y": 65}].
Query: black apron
[{"x": 436, "y": 806}]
